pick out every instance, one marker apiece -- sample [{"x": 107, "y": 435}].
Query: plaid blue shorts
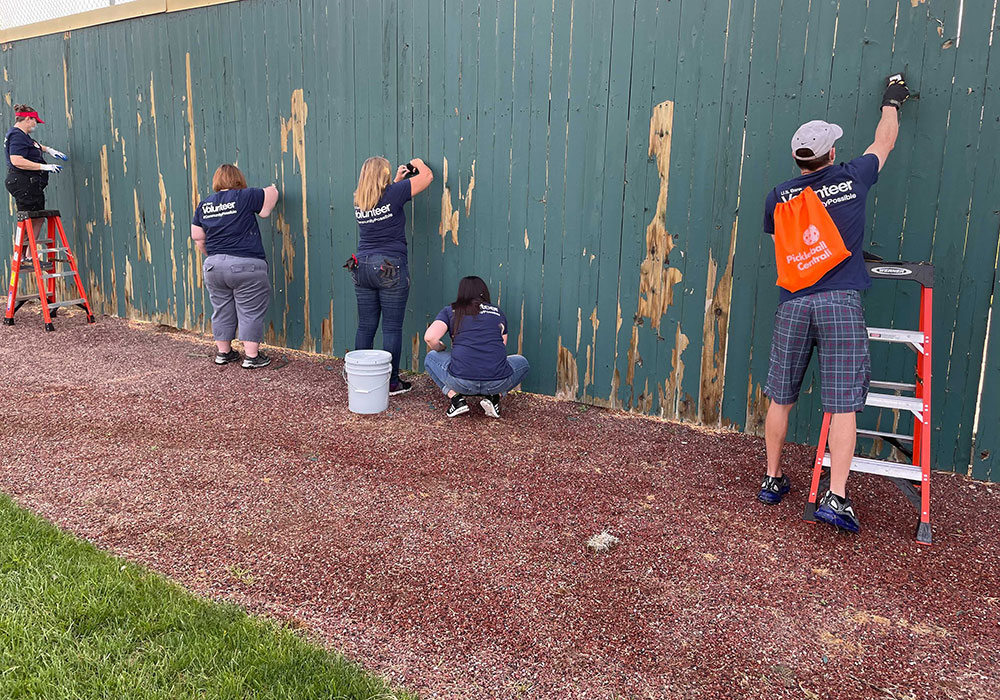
[{"x": 834, "y": 322}]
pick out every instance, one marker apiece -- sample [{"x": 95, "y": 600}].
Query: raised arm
[
  {"x": 270, "y": 199},
  {"x": 422, "y": 180},
  {"x": 435, "y": 332},
  {"x": 887, "y": 130},
  {"x": 885, "y": 135}
]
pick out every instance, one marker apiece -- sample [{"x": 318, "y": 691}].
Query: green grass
[{"x": 78, "y": 623}]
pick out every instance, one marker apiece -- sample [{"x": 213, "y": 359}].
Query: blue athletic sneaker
[
  {"x": 773, "y": 489},
  {"x": 838, "y": 512}
]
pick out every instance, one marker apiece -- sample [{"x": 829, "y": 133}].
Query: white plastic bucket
[{"x": 367, "y": 375}]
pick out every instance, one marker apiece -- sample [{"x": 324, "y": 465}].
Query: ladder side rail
[
  {"x": 15, "y": 273},
  {"x": 50, "y": 259},
  {"x": 76, "y": 272},
  {"x": 926, "y": 314},
  {"x": 810, "y": 512},
  {"x": 37, "y": 264}
]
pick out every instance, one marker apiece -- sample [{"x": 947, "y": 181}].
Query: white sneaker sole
[
  {"x": 489, "y": 409},
  {"x": 458, "y": 411}
]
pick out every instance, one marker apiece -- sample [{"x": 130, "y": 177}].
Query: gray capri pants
[{"x": 240, "y": 292}]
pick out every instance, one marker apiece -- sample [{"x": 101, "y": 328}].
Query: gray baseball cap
[{"x": 817, "y": 137}]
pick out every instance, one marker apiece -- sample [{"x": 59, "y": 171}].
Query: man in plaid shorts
[{"x": 828, "y": 314}]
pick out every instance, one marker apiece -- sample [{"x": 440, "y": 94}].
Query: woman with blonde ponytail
[{"x": 380, "y": 271}]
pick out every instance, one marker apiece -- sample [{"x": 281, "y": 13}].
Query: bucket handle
[{"x": 362, "y": 391}]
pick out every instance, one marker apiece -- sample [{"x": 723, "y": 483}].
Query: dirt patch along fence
[{"x": 602, "y": 165}]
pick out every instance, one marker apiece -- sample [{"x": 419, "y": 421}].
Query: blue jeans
[
  {"x": 382, "y": 283},
  {"x": 436, "y": 365}
]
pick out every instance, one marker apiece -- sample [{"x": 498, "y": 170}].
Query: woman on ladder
[
  {"x": 27, "y": 171},
  {"x": 380, "y": 272}
]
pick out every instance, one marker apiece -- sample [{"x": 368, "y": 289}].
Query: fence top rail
[{"x": 103, "y": 15}]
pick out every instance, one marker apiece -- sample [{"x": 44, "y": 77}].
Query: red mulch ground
[{"x": 450, "y": 554}]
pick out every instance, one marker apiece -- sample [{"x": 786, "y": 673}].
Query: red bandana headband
[{"x": 32, "y": 115}]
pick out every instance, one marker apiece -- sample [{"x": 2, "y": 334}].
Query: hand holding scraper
[{"x": 896, "y": 91}]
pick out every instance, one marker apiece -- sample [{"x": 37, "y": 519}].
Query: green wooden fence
[{"x": 601, "y": 163}]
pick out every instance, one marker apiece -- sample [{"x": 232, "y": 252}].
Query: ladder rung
[
  {"x": 882, "y": 468},
  {"x": 59, "y": 249},
  {"x": 51, "y": 275},
  {"x": 905, "y": 403},
  {"x": 68, "y": 302},
  {"x": 915, "y": 339},
  {"x": 894, "y": 386},
  {"x": 863, "y": 432}
]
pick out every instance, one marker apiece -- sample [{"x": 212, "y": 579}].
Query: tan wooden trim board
[{"x": 104, "y": 15}]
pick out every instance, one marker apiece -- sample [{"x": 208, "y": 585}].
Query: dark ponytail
[{"x": 472, "y": 292}]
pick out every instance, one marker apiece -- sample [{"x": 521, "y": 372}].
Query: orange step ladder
[
  {"x": 914, "y": 478},
  {"x": 44, "y": 262}
]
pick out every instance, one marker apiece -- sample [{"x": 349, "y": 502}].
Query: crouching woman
[
  {"x": 225, "y": 230},
  {"x": 478, "y": 364}
]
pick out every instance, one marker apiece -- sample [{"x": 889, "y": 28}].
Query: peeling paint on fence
[
  {"x": 566, "y": 373},
  {"x": 469, "y": 189},
  {"x": 69, "y": 110},
  {"x": 615, "y": 169},
  {"x": 192, "y": 144},
  {"x": 295, "y": 126},
  {"x": 715, "y": 336},
  {"x": 449, "y": 215},
  {"x": 105, "y": 185},
  {"x": 656, "y": 278}
]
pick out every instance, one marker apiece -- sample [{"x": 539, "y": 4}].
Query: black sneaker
[
  {"x": 260, "y": 360},
  {"x": 838, "y": 512},
  {"x": 458, "y": 406},
  {"x": 399, "y": 387},
  {"x": 224, "y": 358},
  {"x": 773, "y": 489},
  {"x": 491, "y": 405}
]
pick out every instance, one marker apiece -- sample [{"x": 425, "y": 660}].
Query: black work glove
[{"x": 896, "y": 92}]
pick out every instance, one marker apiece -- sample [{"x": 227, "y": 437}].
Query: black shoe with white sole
[
  {"x": 259, "y": 360},
  {"x": 458, "y": 406},
  {"x": 224, "y": 358},
  {"x": 491, "y": 405}
]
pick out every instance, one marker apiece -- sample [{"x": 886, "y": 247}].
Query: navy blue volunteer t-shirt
[
  {"x": 843, "y": 189},
  {"x": 477, "y": 351},
  {"x": 383, "y": 229},
  {"x": 229, "y": 219},
  {"x": 18, "y": 143}
]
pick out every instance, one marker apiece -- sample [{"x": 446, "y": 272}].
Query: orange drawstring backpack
[{"x": 807, "y": 244}]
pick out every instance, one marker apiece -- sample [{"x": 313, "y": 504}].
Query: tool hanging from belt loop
[{"x": 352, "y": 262}]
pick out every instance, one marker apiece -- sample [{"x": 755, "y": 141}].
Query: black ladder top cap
[
  {"x": 920, "y": 272},
  {"x": 43, "y": 214}
]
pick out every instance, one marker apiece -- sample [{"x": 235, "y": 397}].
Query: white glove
[
  {"x": 50, "y": 168},
  {"x": 56, "y": 154}
]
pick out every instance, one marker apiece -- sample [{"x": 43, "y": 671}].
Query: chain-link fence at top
[{"x": 17, "y": 13}]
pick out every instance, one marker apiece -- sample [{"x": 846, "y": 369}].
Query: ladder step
[
  {"x": 915, "y": 339},
  {"x": 882, "y": 468},
  {"x": 59, "y": 249},
  {"x": 52, "y": 275},
  {"x": 68, "y": 302},
  {"x": 862, "y": 432},
  {"x": 895, "y": 386},
  {"x": 904, "y": 403}
]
